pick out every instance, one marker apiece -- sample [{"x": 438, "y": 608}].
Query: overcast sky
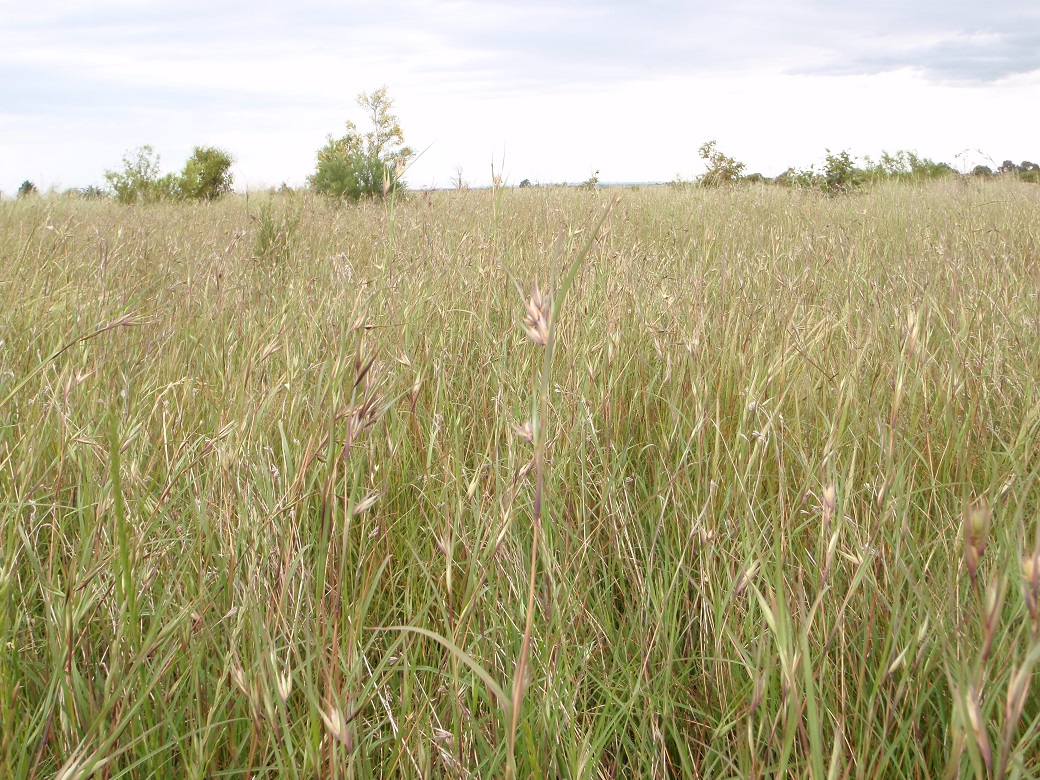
[{"x": 549, "y": 91}]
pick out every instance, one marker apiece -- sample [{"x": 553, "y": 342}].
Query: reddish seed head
[{"x": 975, "y": 524}]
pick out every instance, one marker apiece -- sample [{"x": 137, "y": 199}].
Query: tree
[
  {"x": 592, "y": 182},
  {"x": 721, "y": 169},
  {"x": 1029, "y": 171},
  {"x": 27, "y": 189},
  {"x": 206, "y": 174},
  {"x": 457, "y": 182},
  {"x": 140, "y": 181},
  {"x": 370, "y": 164},
  {"x": 840, "y": 174}
]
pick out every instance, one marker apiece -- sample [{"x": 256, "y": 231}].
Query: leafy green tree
[
  {"x": 787, "y": 178},
  {"x": 1029, "y": 171},
  {"x": 27, "y": 189},
  {"x": 840, "y": 173},
  {"x": 364, "y": 164},
  {"x": 721, "y": 168},
  {"x": 207, "y": 174},
  {"x": 140, "y": 181}
]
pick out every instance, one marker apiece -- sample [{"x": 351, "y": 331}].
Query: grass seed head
[
  {"x": 829, "y": 505},
  {"x": 991, "y": 617},
  {"x": 366, "y": 503},
  {"x": 828, "y": 561},
  {"x": 745, "y": 578},
  {"x": 1018, "y": 692},
  {"x": 536, "y": 320},
  {"x": 337, "y": 726},
  {"x": 239, "y": 678},
  {"x": 975, "y": 530},
  {"x": 1031, "y": 586},
  {"x": 978, "y": 727},
  {"x": 284, "y": 683},
  {"x": 524, "y": 432},
  {"x": 282, "y": 678}
]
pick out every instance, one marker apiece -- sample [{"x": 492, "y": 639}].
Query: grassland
[{"x": 267, "y": 505}]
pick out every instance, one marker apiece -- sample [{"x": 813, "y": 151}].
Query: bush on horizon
[
  {"x": 205, "y": 176},
  {"x": 357, "y": 165}
]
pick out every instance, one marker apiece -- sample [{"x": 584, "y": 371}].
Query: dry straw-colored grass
[{"x": 267, "y": 473}]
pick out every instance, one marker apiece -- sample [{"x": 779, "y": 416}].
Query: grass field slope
[{"x": 651, "y": 482}]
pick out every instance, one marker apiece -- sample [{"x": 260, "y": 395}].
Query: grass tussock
[{"x": 296, "y": 490}]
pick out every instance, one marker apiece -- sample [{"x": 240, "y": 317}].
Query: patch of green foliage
[
  {"x": 721, "y": 169},
  {"x": 840, "y": 174},
  {"x": 140, "y": 180},
  {"x": 206, "y": 176},
  {"x": 906, "y": 165},
  {"x": 357, "y": 165},
  {"x": 27, "y": 189},
  {"x": 274, "y": 236}
]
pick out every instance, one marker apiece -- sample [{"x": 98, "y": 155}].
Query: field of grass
[{"x": 268, "y": 501}]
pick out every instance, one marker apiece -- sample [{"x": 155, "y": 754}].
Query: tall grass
[{"x": 266, "y": 487}]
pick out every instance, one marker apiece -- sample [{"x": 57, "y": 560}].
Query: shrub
[
  {"x": 355, "y": 165},
  {"x": 792, "y": 177},
  {"x": 275, "y": 236},
  {"x": 206, "y": 174},
  {"x": 840, "y": 174},
  {"x": 591, "y": 183},
  {"x": 92, "y": 192},
  {"x": 907, "y": 166},
  {"x": 140, "y": 181},
  {"x": 27, "y": 189},
  {"x": 1029, "y": 172},
  {"x": 1026, "y": 171},
  {"x": 721, "y": 168}
]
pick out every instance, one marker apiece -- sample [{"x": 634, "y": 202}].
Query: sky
[{"x": 546, "y": 91}]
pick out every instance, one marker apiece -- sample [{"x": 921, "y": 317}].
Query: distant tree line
[
  {"x": 839, "y": 172},
  {"x": 370, "y": 164},
  {"x": 352, "y": 166},
  {"x": 206, "y": 176}
]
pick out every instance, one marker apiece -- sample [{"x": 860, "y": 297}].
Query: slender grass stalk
[{"x": 543, "y": 330}]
